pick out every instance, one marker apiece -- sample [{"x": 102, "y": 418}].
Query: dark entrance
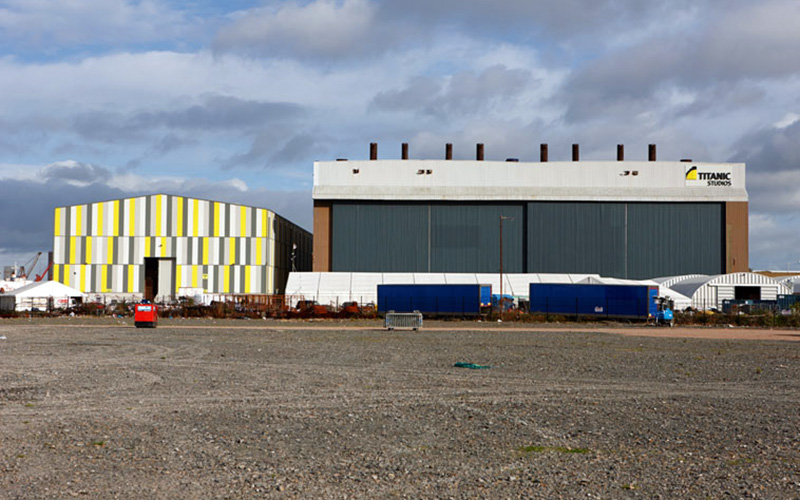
[
  {"x": 748, "y": 293},
  {"x": 150, "y": 277}
]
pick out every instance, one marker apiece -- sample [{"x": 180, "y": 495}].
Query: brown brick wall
[
  {"x": 736, "y": 237},
  {"x": 322, "y": 236}
]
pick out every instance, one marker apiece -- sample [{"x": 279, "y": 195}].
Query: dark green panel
[
  {"x": 576, "y": 238},
  {"x": 465, "y": 238},
  {"x": 667, "y": 239},
  {"x": 379, "y": 237}
]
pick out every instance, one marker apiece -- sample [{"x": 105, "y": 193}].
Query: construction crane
[{"x": 25, "y": 270}]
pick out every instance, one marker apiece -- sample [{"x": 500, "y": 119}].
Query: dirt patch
[{"x": 216, "y": 410}]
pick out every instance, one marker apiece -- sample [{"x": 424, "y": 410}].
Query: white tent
[
  {"x": 709, "y": 292},
  {"x": 41, "y": 295}
]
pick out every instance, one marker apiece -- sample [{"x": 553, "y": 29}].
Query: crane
[{"x": 25, "y": 270}]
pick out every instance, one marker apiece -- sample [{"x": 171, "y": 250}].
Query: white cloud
[
  {"x": 49, "y": 25},
  {"x": 319, "y": 29}
]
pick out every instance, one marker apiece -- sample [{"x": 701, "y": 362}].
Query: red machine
[{"x": 145, "y": 315}]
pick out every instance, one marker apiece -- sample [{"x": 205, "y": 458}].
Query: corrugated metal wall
[
  {"x": 218, "y": 247},
  {"x": 625, "y": 240},
  {"x": 675, "y": 238},
  {"x": 421, "y": 237}
]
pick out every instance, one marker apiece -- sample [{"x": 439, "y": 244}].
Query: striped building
[{"x": 162, "y": 245}]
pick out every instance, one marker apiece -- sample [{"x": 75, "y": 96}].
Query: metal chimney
[
  {"x": 479, "y": 152},
  {"x": 575, "y": 153},
  {"x": 620, "y": 152},
  {"x": 543, "y": 153},
  {"x": 404, "y": 150},
  {"x": 652, "y": 152},
  {"x": 448, "y": 151},
  {"x": 373, "y": 150}
]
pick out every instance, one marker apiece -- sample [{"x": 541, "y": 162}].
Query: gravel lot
[{"x": 109, "y": 411}]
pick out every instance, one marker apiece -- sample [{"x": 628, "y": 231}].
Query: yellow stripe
[
  {"x": 259, "y": 241},
  {"x": 232, "y": 251},
  {"x": 163, "y": 247},
  {"x": 130, "y": 278},
  {"x": 247, "y": 279},
  {"x": 88, "y": 244},
  {"x": 110, "y": 250},
  {"x": 115, "y": 222},
  {"x": 78, "y": 215},
  {"x": 194, "y": 276},
  {"x": 196, "y": 212},
  {"x": 147, "y": 247},
  {"x": 216, "y": 219},
  {"x": 57, "y": 230},
  {"x": 83, "y": 279},
  {"x": 205, "y": 251},
  {"x": 56, "y": 269},
  {"x": 66, "y": 275},
  {"x": 99, "y": 231},
  {"x": 103, "y": 278},
  {"x": 243, "y": 221},
  {"x": 132, "y": 216},
  {"x": 179, "y": 206},
  {"x": 226, "y": 279}
]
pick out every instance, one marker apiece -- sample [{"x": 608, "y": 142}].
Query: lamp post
[{"x": 502, "y": 218}]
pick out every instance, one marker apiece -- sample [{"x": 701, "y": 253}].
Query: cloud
[
  {"x": 771, "y": 150},
  {"x": 720, "y": 57},
  {"x": 466, "y": 93},
  {"x": 50, "y": 26},
  {"x": 318, "y": 29},
  {"x": 74, "y": 173},
  {"x": 30, "y": 202}
]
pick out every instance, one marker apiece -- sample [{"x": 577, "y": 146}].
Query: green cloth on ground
[{"x": 472, "y": 366}]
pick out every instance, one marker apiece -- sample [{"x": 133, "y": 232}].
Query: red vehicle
[{"x": 145, "y": 315}]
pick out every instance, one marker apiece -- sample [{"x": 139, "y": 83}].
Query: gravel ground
[{"x": 109, "y": 411}]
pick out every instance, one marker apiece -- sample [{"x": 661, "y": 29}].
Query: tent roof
[{"x": 46, "y": 289}]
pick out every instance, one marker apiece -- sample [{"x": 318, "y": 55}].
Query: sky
[{"x": 233, "y": 101}]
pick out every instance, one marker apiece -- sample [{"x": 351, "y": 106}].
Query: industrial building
[
  {"x": 164, "y": 245},
  {"x": 621, "y": 219}
]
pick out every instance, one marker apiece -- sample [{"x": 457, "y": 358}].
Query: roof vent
[
  {"x": 512, "y": 159},
  {"x": 341, "y": 159}
]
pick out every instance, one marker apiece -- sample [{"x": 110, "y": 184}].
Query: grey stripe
[
  {"x": 87, "y": 230},
  {"x": 169, "y": 231},
  {"x": 148, "y": 216},
  {"x": 228, "y": 221},
  {"x": 125, "y": 278},
  {"x": 189, "y": 246},
  {"x": 253, "y": 221}
]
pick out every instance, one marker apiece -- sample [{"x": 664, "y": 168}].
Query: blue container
[
  {"x": 433, "y": 299},
  {"x": 620, "y": 301}
]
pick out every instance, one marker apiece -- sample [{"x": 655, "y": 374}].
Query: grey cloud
[
  {"x": 298, "y": 148},
  {"x": 216, "y": 113},
  {"x": 770, "y": 149},
  {"x": 320, "y": 29},
  {"x": 465, "y": 93},
  {"x": 28, "y": 227},
  {"x": 277, "y": 147},
  {"x": 728, "y": 52},
  {"x": 74, "y": 172}
]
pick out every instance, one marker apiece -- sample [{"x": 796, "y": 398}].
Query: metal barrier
[{"x": 403, "y": 320}]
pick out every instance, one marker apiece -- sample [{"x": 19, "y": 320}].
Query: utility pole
[{"x": 502, "y": 218}]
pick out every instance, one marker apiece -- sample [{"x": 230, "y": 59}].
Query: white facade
[
  {"x": 708, "y": 292},
  {"x": 632, "y": 181}
]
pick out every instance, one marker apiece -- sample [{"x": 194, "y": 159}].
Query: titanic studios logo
[{"x": 708, "y": 176}]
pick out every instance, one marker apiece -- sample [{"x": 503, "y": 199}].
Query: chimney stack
[
  {"x": 404, "y": 150},
  {"x": 620, "y": 152},
  {"x": 575, "y": 153},
  {"x": 652, "y": 152},
  {"x": 373, "y": 150},
  {"x": 448, "y": 151},
  {"x": 543, "y": 153},
  {"x": 479, "y": 152}
]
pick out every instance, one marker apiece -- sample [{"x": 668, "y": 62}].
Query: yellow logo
[{"x": 691, "y": 174}]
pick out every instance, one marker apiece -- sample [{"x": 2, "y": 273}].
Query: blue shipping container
[
  {"x": 629, "y": 301},
  {"x": 433, "y": 299}
]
